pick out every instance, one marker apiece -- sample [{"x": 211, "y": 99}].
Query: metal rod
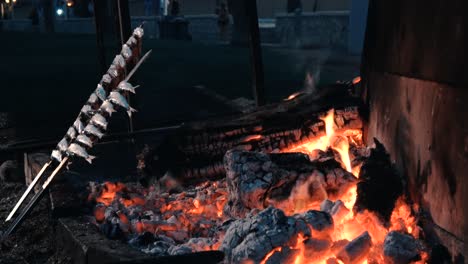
[
  {"x": 28, "y": 190},
  {"x": 255, "y": 53},
  {"x": 123, "y": 135},
  {"x": 36, "y": 198},
  {"x": 130, "y": 74}
]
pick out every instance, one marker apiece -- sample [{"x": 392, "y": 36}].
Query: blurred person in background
[{"x": 223, "y": 21}]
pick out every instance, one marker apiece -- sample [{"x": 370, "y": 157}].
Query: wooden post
[
  {"x": 124, "y": 30},
  {"x": 100, "y": 21},
  {"x": 255, "y": 53}
]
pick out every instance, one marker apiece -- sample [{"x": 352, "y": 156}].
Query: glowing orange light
[
  {"x": 357, "y": 80},
  {"x": 292, "y": 96}
]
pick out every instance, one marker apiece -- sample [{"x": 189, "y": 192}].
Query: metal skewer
[
  {"x": 138, "y": 65},
  {"x": 28, "y": 190},
  {"x": 19, "y": 219}
]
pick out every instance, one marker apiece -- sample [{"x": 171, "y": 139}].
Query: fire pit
[{"x": 321, "y": 197}]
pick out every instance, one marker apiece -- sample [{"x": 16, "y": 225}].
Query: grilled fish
[
  {"x": 79, "y": 151},
  {"x": 119, "y": 61},
  {"x": 117, "y": 98},
  {"x": 93, "y": 98},
  {"x": 108, "y": 107},
  {"x": 78, "y": 125},
  {"x": 131, "y": 41},
  {"x": 87, "y": 110},
  {"x": 106, "y": 79},
  {"x": 63, "y": 144},
  {"x": 90, "y": 129},
  {"x": 99, "y": 120},
  {"x": 57, "y": 155},
  {"x": 126, "y": 86},
  {"x": 83, "y": 139},
  {"x": 139, "y": 32},
  {"x": 126, "y": 51},
  {"x": 112, "y": 71},
  {"x": 100, "y": 92},
  {"x": 71, "y": 133}
]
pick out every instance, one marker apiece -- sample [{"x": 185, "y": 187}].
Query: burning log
[
  {"x": 379, "y": 184},
  {"x": 198, "y": 148},
  {"x": 289, "y": 181}
]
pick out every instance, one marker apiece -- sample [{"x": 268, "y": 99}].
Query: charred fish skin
[
  {"x": 99, "y": 121},
  {"x": 56, "y": 155},
  {"x": 100, "y": 92},
  {"x": 126, "y": 86},
  {"x": 78, "y": 125},
  {"x": 83, "y": 139},
  {"x": 71, "y": 133},
  {"x": 126, "y": 51},
  {"x": 91, "y": 129},
  {"x": 107, "y": 107},
  {"x": 63, "y": 144},
  {"x": 118, "y": 99},
  {"x": 77, "y": 150}
]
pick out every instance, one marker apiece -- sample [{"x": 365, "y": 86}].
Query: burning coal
[{"x": 300, "y": 206}]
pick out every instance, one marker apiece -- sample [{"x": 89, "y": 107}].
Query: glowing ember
[{"x": 197, "y": 212}]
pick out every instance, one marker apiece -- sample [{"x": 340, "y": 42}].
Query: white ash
[
  {"x": 257, "y": 180},
  {"x": 259, "y": 233}
]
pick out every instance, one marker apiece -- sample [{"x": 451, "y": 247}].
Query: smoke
[{"x": 313, "y": 66}]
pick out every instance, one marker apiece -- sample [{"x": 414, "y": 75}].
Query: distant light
[
  {"x": 69, "y": 3},
  {"x": 14, "y": 1},
  {"x": 60, "y": 11},
  {"x": 7, "y": 1},
  {"x": 357, "y": 80}
]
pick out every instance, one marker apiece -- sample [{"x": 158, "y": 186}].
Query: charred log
[
  {"x": 197, "y": 149},
  {"x": 379, "y": 186},
  {"x": 257, "y": 180}
]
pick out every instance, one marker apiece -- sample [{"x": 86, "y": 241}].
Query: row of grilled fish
[{"x": 92, "y": 120}]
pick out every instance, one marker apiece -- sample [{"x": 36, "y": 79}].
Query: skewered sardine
[
  {"x": 79, "y": 151},
  {"x": 57, "y": 155},
  {"x": 126, "y": 51},
  {"x": 87, "y": 110},
  {"x": 100, "y": 92},
  {"x": 119, "y": 61},
  {"x": 99, "y": 120},
  {"x": 71, "y": 133},
  {"x": 93, "y": 98},
  {"x": 117, "y": 98},
  {"x": 63, "y": 144},
  {"x": 91, "y": 129},
  {"x": 78, "y": 125},
  {"x": 112, "y": 71},
  {"x": 106, "y": 79},
  {"x": 131, "y": 41},
  {"x": 108, "y": 107},
  {"x": 83, "y": 139},
  {"x": 126, "y": 86},
  {"x": 139, "y": 32}
]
